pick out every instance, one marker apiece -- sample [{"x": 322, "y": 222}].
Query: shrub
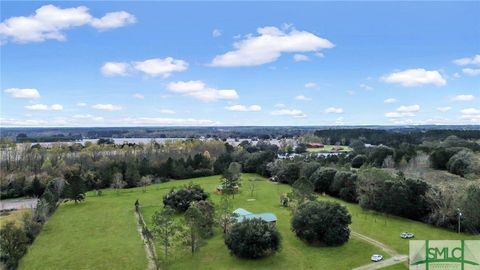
[
  {"x": 358, "y": 161},
  {"x": 180, "y": 199},
  {"x": 344, "y": 186},
  {"x": 460, "y": 163},
  {"x": 322, "y": 179},
  {"x": 322, "y": 223},
  {"x": 13, "y": 244},
  {"x": 252, "y": 239}
]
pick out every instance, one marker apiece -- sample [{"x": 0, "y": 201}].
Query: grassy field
[
  {"x": 328, "y": 148},
  {"x": 100, "y": 233}
]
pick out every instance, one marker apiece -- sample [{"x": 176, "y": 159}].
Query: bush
[
  {"x": 358, "y": 161},
  {"x": 180, "y": 199},
  {"x": 208, "y": 212},
  {"x": 322, "y": 223},
  {"x": 13, "y": 244},
  {"x": 252, "y": 239},
  {"x": 322, "y": 179},
  {"x": 344, "y": 186},
  {"x": 460, "y": 163}
]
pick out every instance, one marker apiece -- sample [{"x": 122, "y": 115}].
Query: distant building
[
  {"x": 243, "y": 214},
  {"x": 315, "y": 145}
]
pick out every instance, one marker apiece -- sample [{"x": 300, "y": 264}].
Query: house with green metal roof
[{"x": 242, "y": 214}]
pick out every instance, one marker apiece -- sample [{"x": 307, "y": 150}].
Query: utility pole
[{"x": 459, "y": 217}]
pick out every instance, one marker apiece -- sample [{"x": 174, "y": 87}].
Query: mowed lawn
[
  {"x": 328, "y": 148},
  {"x": 100, "y": 233}
]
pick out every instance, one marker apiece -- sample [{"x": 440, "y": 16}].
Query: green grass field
[
  {"x": 100, "y": 233},
  {"x": 14, "y": 216},
  {"x": 328, "y": 148}
]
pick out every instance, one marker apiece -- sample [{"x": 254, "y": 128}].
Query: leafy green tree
[
  {"x": 231, "y": 178},
  {"x": 118, "y": 182},
  {"x": 253, "y": 238},
  {"x": 13, "y": 244},
  {"x": 469, "y": 209},
  {"x": 322, "y": 179},
  {"x": 224, "y": 213},
  {"x": 145, "y": 181},
  {"x": 166, "y": 229},
  {"x": 344, "y": 186},
  {"x": 180, "y": 199},
  {"x": 322, "y": 222},
  {"x": 308, "y": 168},
  {"x": 208, "y": 217},
  {"x": 358, "y": 161},
  {"x": 302, "y": 191},
  {"x": 74, "y": 186},
  {"x": 194, "y": 220}
]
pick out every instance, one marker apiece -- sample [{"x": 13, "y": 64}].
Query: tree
[
  {"x": 460, "y": 163},
  {"x": 469, "y": 208},
  {"x": 252, "y": 186},
  {"x": 322, "y": 179},
  {"x": 181, "y": 199},
  {"x": 344, "y": 186},
  {"x": 194, "y": 220},
  {"x": 231, "y": 178},
  {"x": 13, "y": 244},
  {"x": 74, "y": 186},
  {"x": 145, "y": 181},
  {"x": 322, "y": 223},
  {"x": 225, "y": 217},
  {"x": 253, "y": 238},
  {"x": 118, "y": 182},
  {"x": 302, "y": 191},
  {"x": 165, "y": 229},
  {"x": 208, "y": 218},
  {"x": 358, "y": 161}
]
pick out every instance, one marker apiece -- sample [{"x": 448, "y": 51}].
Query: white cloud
[
  {"x": 390, "y": 100},
  {"x": 474, "y": 60},
  {"x": 286, "y": 112},
  {"x": 319, "y": 55},
  {"x": 113, "y": 20},
  {"x": 167, "y": 111},
  {"x": 366, "y": 87},
  {"x": 470, "y": 111},
  {"x": 310, "y": 85},
  {"x": 243, "y": 108},
  {"x": 107, "y": 107},
  {"x": 471, "y": 71},
  {"x": 350, "y": 92},
  {"x": 456, "y": 75},
  {"x": 300, "y": 57},
  {"x": 44, "y": 107},
  {"x": 28, "y": 93},
  {"x": 138, "y": 96},
  {"x": 268, "y": 46},
  {"x": 404, "y": 111},
  {"x": 340, "y": 121},
  {"x": 444, "y": 109},
  {"x": 333, "y": 110},
  {"x": 199, "y": 90},
  {"x": 280, "y": 105},
  {"x": 216, "y": 33},
  {"x": 115, "y": 69},
  {"x": 151, "y": 67},
  {"x": 50, "y": 22},
  {"x": 463, "y": 98},
  {"x": 81, "y": 104},
  {"x": 415, "y": 77},
  {"x": 160, "y": 67},
  {"x": 302, "y": 98}
]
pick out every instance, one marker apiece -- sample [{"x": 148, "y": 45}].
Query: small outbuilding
[{"x": 243, "y": 214}]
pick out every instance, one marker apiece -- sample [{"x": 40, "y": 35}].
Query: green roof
[{"x": 243, "y": 214}]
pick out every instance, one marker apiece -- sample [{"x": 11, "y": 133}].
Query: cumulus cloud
[
  {"x": 474, "y": 60},
  {"x": 366, "y": 87},
  {"x": 138, "y": 96},
  {"x": 107, "y": 107},
  {"x": 199, "y": 90},
  {"x": 300, "y": 57},
  {"x": 471, "y": 115},
  {"x": 310, "y": 85},
  {"x": 415, "y": 77},
  {"x": 151, "y": 67},
  {"x": 280, "y": 105},
  {"x": 89, "y": 117},
  {"x": 333, "y": 110},
  {"x": 268, "y": 45},
  {"x": 44, "y": 107},
  {"x": 471, "y": 71},
  {"x": 404, "y": 111},
  {"x": 27, "y": 93},
  {"x": 286, "y": 112},
  {"x": 216, "y": 33},
  {"x": 115, "y": 69},
  {"x": 244, "y": 108},
  {"x": 470, "y": 111},
  {"x": 50, "y": 22},
  {"x": 444, "y": 109},
  {"x": 463, "y": 98},
  {"x": 390, "y": 100},
  {"x": 302, "y": 98}
]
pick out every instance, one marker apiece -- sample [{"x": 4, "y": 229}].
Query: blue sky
[{"x": 255, "y": 63}]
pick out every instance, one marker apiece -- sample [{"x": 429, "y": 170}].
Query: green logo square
[{"x": 444, "y": 255}]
